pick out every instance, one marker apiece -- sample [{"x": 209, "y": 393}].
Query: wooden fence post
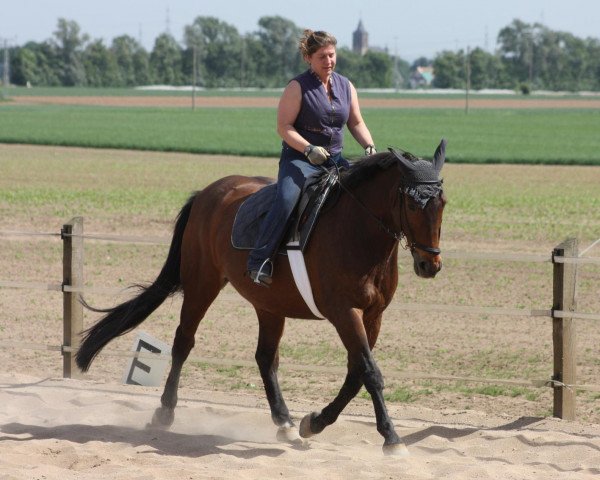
[
  {"x": 563, "y": 330},
  {"x": 72, "y": 309}
]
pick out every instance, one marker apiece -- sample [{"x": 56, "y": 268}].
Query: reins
[{"x": 397, "y": 236}]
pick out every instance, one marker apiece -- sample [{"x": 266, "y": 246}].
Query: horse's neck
[
  {"x": 370, "y": 250},
  {"x": 380, "y": 196},
  {"x": 370, "y": 212}
]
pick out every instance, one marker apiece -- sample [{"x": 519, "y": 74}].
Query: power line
[{"x": 6, "y": 63}]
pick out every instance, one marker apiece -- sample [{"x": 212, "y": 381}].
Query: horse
[{"x": 351, "y": 261}]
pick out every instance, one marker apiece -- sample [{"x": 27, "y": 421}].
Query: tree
[
  {"x": 372, "y": 70},
  {"x": 348, "y": 64},
  {"x": 101, "y": 69},
  {"x": 69, "y": 43},
  {"x": 23, "y": 66},
  {"x": 36, "y": 63},
  {"x": 141, "y": 67},
  {"x": 543, "y": 58},
  {"x": 375, "y": 70},
  {"x": 279, "y": 38},
  {"x": 132, "y": 61},
  {"x": 593, "y": 47},
  {"x": 255, "y": 61},
  {"x": 449, "y": 70},
  {"x": 218, "y": 48},
  {"x": 487, "y": 70},
  {"x": 165, "y": 61}
]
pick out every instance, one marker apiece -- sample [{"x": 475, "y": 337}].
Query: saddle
[{"x": 251, "y": 213}]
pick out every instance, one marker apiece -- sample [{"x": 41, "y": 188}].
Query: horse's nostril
[{"x": 422, "y": 265}]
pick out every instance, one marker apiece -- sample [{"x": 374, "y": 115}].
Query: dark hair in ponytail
[{"x": 312, "y": 41}]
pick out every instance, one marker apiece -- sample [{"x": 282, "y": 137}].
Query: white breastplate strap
[{"x": 301, "y": 276}]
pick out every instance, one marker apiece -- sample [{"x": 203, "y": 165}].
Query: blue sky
[{"x": 411, "y": 28}]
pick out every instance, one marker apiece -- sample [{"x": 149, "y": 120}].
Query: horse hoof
[
  {"x": 305, "y": 430},
  {"x": 290, "y": 435},
  {"x": 396, "y": 450},
  {"x": 163, "y": 418}
]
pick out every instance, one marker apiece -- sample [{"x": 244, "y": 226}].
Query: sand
[{"x": 56, "y": 428}]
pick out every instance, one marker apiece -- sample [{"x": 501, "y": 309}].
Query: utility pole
[
  {"x": 5, "y": 69},
  {"x": 397, "y": 76},
  {"x": 194, "y": 67},
  {"x": 468, "y": 79},
  {"x": 242, "y": 61},
  {"x": 5, "y": 75}
]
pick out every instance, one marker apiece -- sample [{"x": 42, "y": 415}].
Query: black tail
[{"x": 125, "y": 317}]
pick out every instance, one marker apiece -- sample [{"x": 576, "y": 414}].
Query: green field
[{"x": 559, "y": 136}]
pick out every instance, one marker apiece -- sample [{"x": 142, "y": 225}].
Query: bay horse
[{"x": 352, "y": 267}]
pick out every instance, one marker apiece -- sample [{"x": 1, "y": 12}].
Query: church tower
[{"x": 360, "y": 39}]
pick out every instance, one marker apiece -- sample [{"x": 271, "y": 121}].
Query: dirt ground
[{"x": 271, "y": 102}]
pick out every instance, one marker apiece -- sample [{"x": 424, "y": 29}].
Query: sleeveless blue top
[{"x": 321, "y": 121}]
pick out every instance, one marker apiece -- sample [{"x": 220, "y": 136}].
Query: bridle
[{"x": 405, "y": 231}]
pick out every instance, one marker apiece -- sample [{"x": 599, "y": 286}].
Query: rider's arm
[
  {"x": 357, "y": 126},
  {"x": 287, "y": 112}
]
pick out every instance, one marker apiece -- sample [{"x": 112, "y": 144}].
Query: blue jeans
[{"x": 294, "y": 171}]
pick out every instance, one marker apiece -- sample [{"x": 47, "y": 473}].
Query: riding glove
[
  {"x": 316, "y": 155},
  {"x": 370, "y": 150}
]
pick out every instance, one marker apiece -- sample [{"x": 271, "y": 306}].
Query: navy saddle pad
[{"x": 255, "y": 208}]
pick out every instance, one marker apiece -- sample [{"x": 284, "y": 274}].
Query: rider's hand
[
  {"x": 316, "y": 155},
  {"x": 370, "y": 150}
]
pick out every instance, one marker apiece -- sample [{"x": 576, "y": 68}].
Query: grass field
[{"x": 483, "y": 136}]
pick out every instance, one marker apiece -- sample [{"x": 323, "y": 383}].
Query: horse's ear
[
  {"x": 439, "y": 157},
  {"x": 405, "y": 164}
]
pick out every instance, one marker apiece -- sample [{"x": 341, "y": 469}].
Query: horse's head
[{"x": 422, "y": 203}]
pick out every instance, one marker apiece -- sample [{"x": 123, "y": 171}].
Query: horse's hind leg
[
  {"x": 267, "y": 357},
  {"x": 195, "y": 304}
]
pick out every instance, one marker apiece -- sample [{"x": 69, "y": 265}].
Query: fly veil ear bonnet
[{"x": 421, "y": 178}]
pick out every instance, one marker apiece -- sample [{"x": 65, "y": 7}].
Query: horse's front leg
[{"x": 362, "y": 369}]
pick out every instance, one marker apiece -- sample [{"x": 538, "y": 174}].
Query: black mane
[{"x": 367, "y": 167}]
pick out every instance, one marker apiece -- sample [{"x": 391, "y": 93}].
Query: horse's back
[
  {"x": 208, "y": 231},
  {"x": 224, "y": 194}
]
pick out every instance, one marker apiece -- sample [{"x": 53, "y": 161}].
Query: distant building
[
  {"x": 421, "y": 77},
  {"x": 360, "y": 39}
]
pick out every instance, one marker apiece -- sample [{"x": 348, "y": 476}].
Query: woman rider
[{"x": 313, "y": 110}]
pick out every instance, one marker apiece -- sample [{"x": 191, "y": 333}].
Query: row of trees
[
  {"x": 214, "y": 54},
  {"x": 529, "y": 56}
]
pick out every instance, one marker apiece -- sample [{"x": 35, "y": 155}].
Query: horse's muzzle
[{"x": 426, "y": 266}]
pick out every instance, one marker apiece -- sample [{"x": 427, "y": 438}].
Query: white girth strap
[{"x": 298, "y": 267}]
